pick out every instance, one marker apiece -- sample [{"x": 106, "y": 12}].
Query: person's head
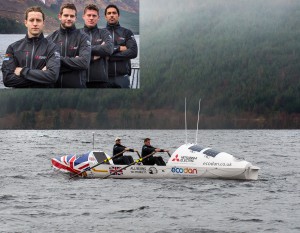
[
  {"x": 91, "y": 15},
  {"x": 118, "y": 140},
  {"x": 67, "y": 15},
  {"x": 112, "y": 14},
  {"x": 34, "y": 21},
  {"x": 147, "y": 141}
]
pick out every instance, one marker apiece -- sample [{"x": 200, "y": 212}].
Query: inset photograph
[{"x": 68, "y": 44}]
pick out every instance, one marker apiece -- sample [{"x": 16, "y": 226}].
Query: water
[
  {"x": 7, "y": 39},
  {"x": 34, "y": 198}
]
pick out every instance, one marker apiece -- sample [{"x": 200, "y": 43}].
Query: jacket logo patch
[
  {"x": 7, "y": 57},
  {"x": 73, "y": 47},
  {"x": 40, "y": 57}
]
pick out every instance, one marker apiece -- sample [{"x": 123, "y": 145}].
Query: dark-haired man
[
  {"x": 148, "y": 149},
  {"x": 102, "y": 48},
  {"x": 75, "y": 48},
  {"x": 125, "y": 48},
  {"x": 32, "y": 62}
]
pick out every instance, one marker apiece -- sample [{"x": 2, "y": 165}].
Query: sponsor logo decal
[
  {"x": 152, "y": 170},
  {"x": 186, "y": 170},
  {"x": 217, "y": 164},
  {"x": 138, "y": 170},
  {"x": 176, "y": 159},
  {"x": 184, "y": 159}
]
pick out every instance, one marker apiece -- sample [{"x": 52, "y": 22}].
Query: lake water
[
  {"x": 7, "y": 39},
  {"x": 34, "y": 198}
]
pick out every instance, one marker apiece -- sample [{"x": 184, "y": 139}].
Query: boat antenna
[
  {"x": 198, "y": 121},
  {"x": 185, "y": 120},
  {"x": 93, "y": 140}
]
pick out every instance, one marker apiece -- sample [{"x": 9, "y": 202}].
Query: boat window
[
  {"x": 196, "y": 148},
  {"x": 211, "y": 152},
  {"x": 100, "y": 156}
]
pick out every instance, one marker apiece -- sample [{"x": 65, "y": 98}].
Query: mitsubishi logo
[{"x": 176, "y": 158}]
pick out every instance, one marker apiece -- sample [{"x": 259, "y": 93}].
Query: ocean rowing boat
[{"x": 188, "y": 161}]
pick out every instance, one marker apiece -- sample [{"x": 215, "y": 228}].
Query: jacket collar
[
  {"x": 41, "y": 36},
  {"x": 67, "y": 30},
  {"x": 113, "y": 26}
]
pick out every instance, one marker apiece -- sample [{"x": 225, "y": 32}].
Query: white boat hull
[{"x": 188, "y": 161}]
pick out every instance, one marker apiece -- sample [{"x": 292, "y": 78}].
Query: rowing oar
[
  {"x": 90, "y": 168},
  {"x": 135, "y": 162},
  {"x": 138, "y": 154},
  {"x": 168, "y": 153}
]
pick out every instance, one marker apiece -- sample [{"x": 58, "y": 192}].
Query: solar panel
[
  {"x": 196, "y": 148},
  {"x": 211, "y": 152}
]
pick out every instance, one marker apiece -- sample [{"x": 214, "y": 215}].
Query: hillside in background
[
  {"x": 13, "y": 10},
  {"x": 240, "y": 57}
]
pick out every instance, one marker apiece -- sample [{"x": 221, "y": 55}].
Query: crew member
[
  {"x": 102, "y": 48},
  {"x": 148, "y": 149},
  {"x": 125, "y": 48},
  {"x": 33, "y": 61},
  {"x": 75, "y": 48},
  {"x": 118, "y": 148}
]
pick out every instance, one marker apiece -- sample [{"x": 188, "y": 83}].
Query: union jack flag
[
  {"x": 71, "y": 163},
  {"x": 114, "y": 171}
]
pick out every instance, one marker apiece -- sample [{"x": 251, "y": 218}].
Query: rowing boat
[{"x": 188, "y": 161}]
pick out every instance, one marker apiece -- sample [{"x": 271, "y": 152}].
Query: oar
[
  {"x": 168, "y": 153},
  {"x": 104, "y": 161},
  {"x": 135, "y": 162},
  {"x": 139, "y": 154}
]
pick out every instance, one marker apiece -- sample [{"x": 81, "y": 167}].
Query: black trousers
[
  {"x": 122, "y": 160},
  {"x": 154, "y": 160}
]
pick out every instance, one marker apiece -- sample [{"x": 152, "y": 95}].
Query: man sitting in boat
[
  {"x": 148, "y": 149},
  {"x": 118, "y": 148}
]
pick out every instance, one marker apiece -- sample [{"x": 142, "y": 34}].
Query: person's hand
[
  {"x": 166, "y": 150},
  {"x": 18, "y": 71},
  {"x": 123, "y": 48},
  {"x": 44, "y": 69}
]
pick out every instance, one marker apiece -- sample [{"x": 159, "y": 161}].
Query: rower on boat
[
  {"x": 117, "y": 149},
  {"x": 148, "y": 149}
]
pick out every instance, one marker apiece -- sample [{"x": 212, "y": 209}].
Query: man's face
[
  {"x": 91, "y": 18},
  {"x": 147, "y": 143},
  {"x": 118, "y": 141},
  {"x": 112, "y": 16},
  {"x": 67, "y": 18},
  {"x": 34, "y": 23}
]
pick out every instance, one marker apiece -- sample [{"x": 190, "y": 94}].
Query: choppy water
[
  {"x": 7, "y": 39},
  {"x": 34, "y": 198}
]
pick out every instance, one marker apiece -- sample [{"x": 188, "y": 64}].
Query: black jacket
[
  {"x": 102, "y": 46},
  {"x": 146, "y": 150},
  {"x": 119, "y": 148},
  {"x": 32, "y": 54},
  {"x": 72, "y": 42},
  {"x": 119, "y": 62}
]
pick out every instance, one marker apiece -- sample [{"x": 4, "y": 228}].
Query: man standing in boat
[
  {"x": 118, "y": 148},
  {"x": 33, "y": 61},
  {"x": 75, "y": 49},
  {"x": 102, "y": 48},
  {"x": 148, "y": 149},
  {"x": 125, "y": 48}
]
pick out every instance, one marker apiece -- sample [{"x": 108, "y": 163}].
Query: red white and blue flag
[
  {"x": 114, "y": 171},
  {"x": 71, "y": 163}
]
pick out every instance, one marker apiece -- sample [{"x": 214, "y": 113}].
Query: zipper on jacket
[
  {"x": 32, "y": 53},
  {"x": 115, "y": 63}
]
